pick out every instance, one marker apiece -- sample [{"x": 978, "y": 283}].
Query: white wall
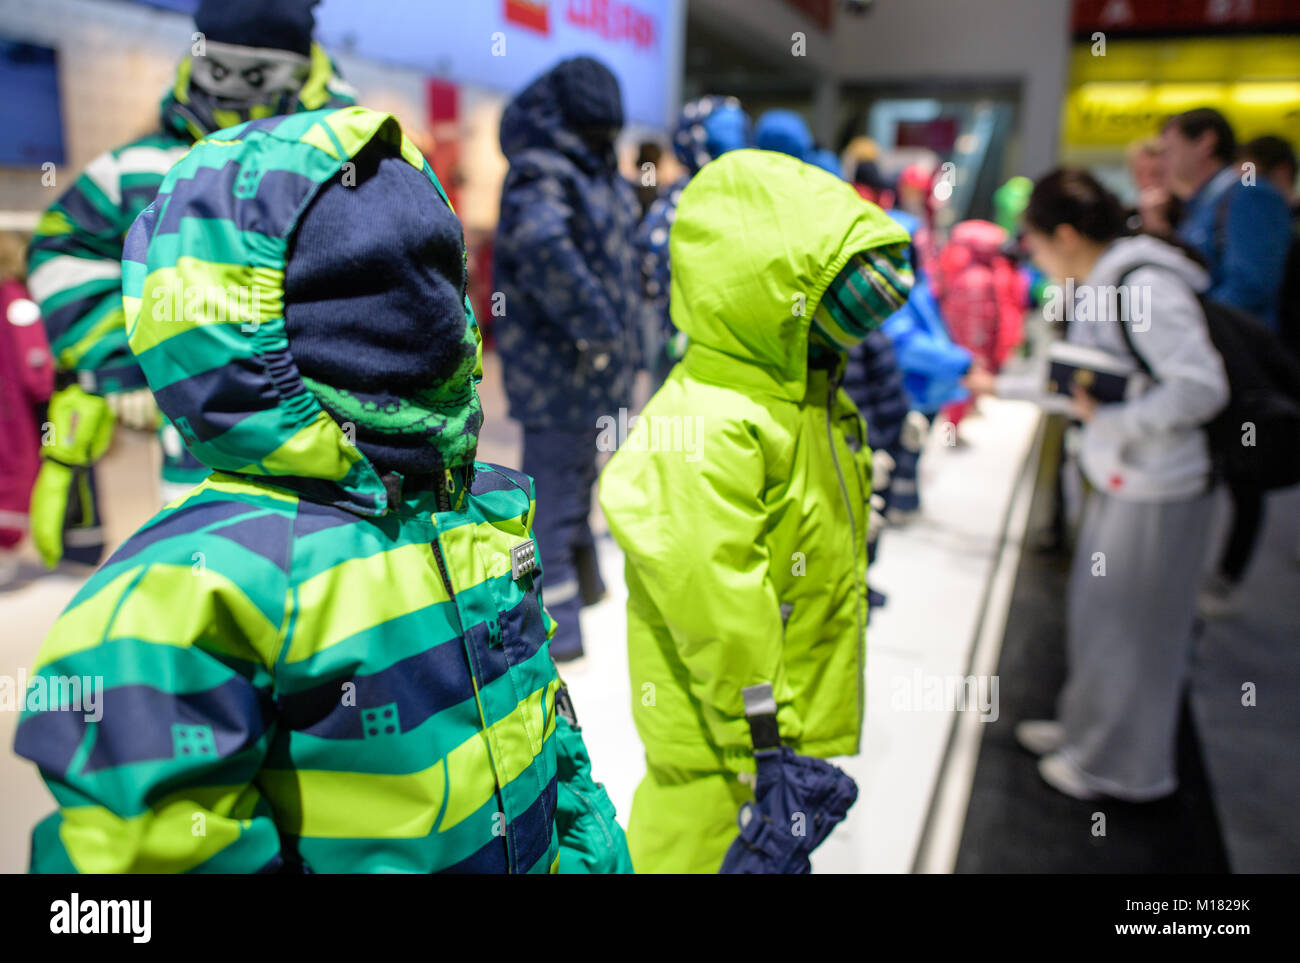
[
  {"x": 1027, "y": 41},
  {"x": 767, "y": 24},
  {"x": 115, "y": 62},
  {"x": 922, "y": 41}
]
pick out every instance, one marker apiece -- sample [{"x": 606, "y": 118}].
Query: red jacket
[
  {"x": 982, "y": 297},
  {"x": 26, "y": 380}
]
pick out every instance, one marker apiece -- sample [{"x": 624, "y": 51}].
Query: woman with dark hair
[{"x": 1146, "y": 525}]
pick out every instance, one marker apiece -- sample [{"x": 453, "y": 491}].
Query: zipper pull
[
  {"x": 444, "y": 499},
  {"x": 460, "y": 499}
]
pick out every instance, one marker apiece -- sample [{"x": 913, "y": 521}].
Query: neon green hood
[{"x": 758, "y": 238}]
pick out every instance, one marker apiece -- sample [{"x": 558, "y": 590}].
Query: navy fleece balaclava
[
  {"x": 375, "y": 317},
  {"x": 269, "y": 24}
]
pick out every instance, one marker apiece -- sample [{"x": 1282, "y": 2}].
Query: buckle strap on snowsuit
[{"x": 760, "y": 711}]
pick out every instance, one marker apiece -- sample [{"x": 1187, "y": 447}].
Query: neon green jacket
[{"x": 740, "y": 497}]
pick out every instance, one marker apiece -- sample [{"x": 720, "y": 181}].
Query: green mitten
[{"x": 78, "y": 432}]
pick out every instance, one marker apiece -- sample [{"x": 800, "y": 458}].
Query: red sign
[
  {"x": 613, "y": 20},
  {"x": 443, "y": 100},
  {"x": 442, "y": 145},
  {"x": 819, "y": 10},
  {"x": 533, "y": 14},
  {"x": 1182, "y": 16},
  {"x": 937, "y": 135}
]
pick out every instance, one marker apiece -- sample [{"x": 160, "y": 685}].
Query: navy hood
[{"x": 553, "y": 112}]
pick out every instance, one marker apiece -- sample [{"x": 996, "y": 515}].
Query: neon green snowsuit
[{"x": 741, "y": 502}]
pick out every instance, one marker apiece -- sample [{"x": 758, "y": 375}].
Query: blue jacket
[
  {"x": 1243, "y": 233},
  {"x": 564, "y": 259},
  {"x": 932, "y": 364}
]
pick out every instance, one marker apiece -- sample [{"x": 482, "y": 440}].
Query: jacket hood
[
  {"x": 707, "y": 129},
  {"x": 785, "y": 132},
  {"x": 983, "y": 240},
  {"x": 203, "y": 292},
  {"x": 751, "y": 261},
  {"x": 186, "y": 112},
  {"x": 1128, "y": 252},
  {"x": 551, "y": 111}
]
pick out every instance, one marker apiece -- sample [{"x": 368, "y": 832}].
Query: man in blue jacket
[
  {"x": 568, "y": 339},
  {"x": 1240, "y": 224}
]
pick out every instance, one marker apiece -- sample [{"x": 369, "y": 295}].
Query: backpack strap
[{"x": 1123, "y": 324}]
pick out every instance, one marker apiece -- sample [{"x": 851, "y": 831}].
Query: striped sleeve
[
  {"x": 149, "y": 711},
  {"x": 74, "y": 261}
]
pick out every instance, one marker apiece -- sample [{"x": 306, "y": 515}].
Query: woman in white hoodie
[{"x": 1146, "y": 526}]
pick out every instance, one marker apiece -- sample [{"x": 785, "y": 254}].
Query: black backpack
[
  {"x": 1263, "y": 391},
  {"x": 1288, "y": 317}
]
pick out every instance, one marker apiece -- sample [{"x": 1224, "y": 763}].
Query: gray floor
[
  {"x": 1239, "y": 765},
  {"x": 1015, "y": 823},
  {"x": 1253, "y": 753}
]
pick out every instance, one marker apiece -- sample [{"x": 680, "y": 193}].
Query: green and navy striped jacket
[
  {"x": 302, "y": 667},
  {"x": 74, "y": 261}
]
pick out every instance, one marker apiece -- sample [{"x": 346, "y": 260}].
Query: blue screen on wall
[
  {"x": 183, "y": 6},
  {"x": 29, "y": 110}
]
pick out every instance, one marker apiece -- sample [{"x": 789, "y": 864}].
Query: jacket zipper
[
  {"x": 443, "y": 497},
  {"x": 832, "y": 390},
  {"x": 444, "y": 504}
]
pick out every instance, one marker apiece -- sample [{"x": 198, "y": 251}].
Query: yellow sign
[{"x": 1124, "y": 90}]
